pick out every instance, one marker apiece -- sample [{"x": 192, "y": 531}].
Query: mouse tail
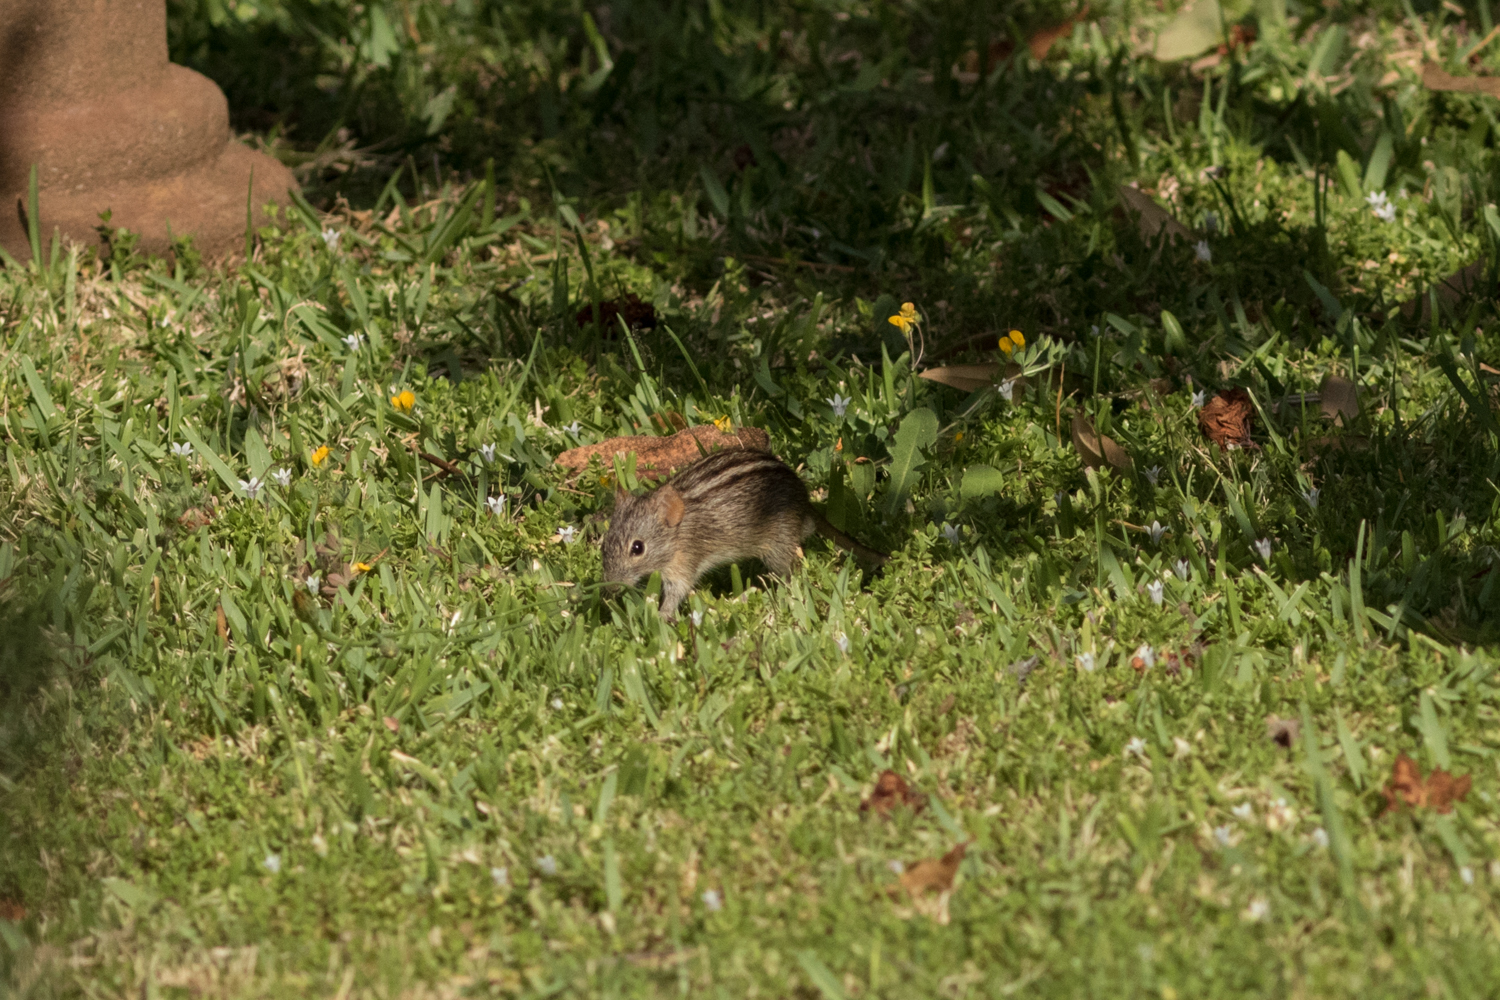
[{"x": 869, "y": 559}]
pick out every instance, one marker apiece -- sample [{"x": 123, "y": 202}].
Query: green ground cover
[{"x": 289, "y": 709}]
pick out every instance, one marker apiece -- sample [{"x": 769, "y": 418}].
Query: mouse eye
[{"x": 637, "y": 547}]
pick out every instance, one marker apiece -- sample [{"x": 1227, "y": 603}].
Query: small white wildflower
[
  {"x": 314, "y": 581},
  {"x": 1244, "y": 811},
  {"x": 487, "y": 452},
  {"x": 548, "y": 864},
  {"x": 1136, "y": 746},
  {"x": 1386, "y": 213},
  {"x": 1059, "y": 497},
  {"x": 1199, "y": 398},
  {"x": 1156, "y": 532},
  {"x": 951, "y": 533},
  {"x": 1224, "y": 835},
  {"x": 319, "y": 845},
  {"x": 575, "y": 429},
  {"x": 1320, "y": 837},
  {"x": 1086, "y": 662},
  {"x": 1311, "y": 496},
  {"x": 897, "y": 867},
  {"x": 1153, "y": 474},
  {"x": 1375, "y": 199},
  {"x": 1153, "y": 590},
  {"x": 840, "y": 404},
  {"x": 1263, "y": 549},
  {"x": 1094, "y": 330},
  {"x": 566, "y": 533},
  {"x": 697, "y": 617},
  {"x": 251, "y": 487},
  {"x": 283, "y": 477},
  {"x": 1202, "y": 251},
  {"x": 1279, "y": 816},
  {"x": 1182, "y": 569},
  {"x": 1467, "y": 874},
  {"x": 496, "y": 505},
  {"x": 182, "y": 449},
  {"x": 272, "y": 863},
  {"x": 1257, "y": 911},
  {"x": 1146, "y": 655},
  {"x": 557, "y": 704},
  {"x": 353, "y": 341},
  {"x": 1008, "y": 390},
  {"x": 842, "y": 642},
  {"x": 501, "y": 877},
  {"x": 331, "y": 238},
  {"x": 713, "y": 901}
]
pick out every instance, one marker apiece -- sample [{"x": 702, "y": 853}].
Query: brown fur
[{"x": 729, "y": 506}]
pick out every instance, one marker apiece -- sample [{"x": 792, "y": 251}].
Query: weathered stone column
[{"x": 87, "y": 94}]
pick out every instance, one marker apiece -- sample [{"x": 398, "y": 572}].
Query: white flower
[
  {"x": 251, "y": 487},
  {"x": 1008, "y": 390},
  {"x": 1375, "y": 199},
  {"x": 1381, "y": 206},
  {"x": 1467, "y": 874},
  {"x": 1244, "y": 811},
  {"x": 1094, "y": 330},
  {"x": 1263, "y": 549},
  {"x": 1086, "y": 662},
  {"x": 1153, "y": 590},
  {"x": 353, "y": 341},
  {"x": 501, "y": 877},
  {"x": 1153, "y": 474},
  {"x": 842, "y": 642},
  {"x": 548, "y": 864},
  {"x": 1224, "y": 835},
  {"x": 283, "y": 477},
  {"x": 713, "y": 901},
  {"x": 1059, "y": 497},
  {"x": 1257, "y": 910},
  {"x": 951, "y": 532},
  {"x": 313, "y": 582},
  {"x": 1183, "y": 569},
  {"x": 1320, "y": 837},
  {"x": 1156, "y": 532},
  {"x": 1199, "y": 398},
  {"x": 896, "y": 866},
  {"x": 272, "y": 863},
  {"x": 840, "y": 404},
  {"x": 1311, "y": 496},
  {"x": 1202, "y": 251},
  {"x": 1386, "y": 213},
  {"x": 331, "y": 238},
  {"x": 1136, "y": 746},
  {"x": 575, "y": 429},
  {"x": 1146, "y": 655},
  {"x": 557, "y": 704},
  {"x": 496, "y": 505},
  {"x": 487, "y": 452},
  {"x": 566, "y": 533},
  {"x": 697, "y": 617},
  {"x": 182, "y": 449}
]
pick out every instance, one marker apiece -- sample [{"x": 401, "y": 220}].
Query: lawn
[{"x": 1183, "y": 665}]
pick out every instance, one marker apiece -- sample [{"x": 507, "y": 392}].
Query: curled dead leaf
[
  {"x": 934, "y": 874},
  {"x": 1152, "y": 218},
  {"x": 1438, "y": 791},
  {"x": 1340, "y": 399},
  {"x": 1097, "y": 450},
  {"x": 222, "y": 624},
  {"x": 968, "y": 378},
  {"x": 1226, "y": 419},
  {"x": 891, "y": 790},
  {"x": 1283, "y": 732},
  {"x": 658, "y": 455}
]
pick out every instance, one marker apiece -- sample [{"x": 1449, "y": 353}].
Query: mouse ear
[{"x": 671, "y": 506}]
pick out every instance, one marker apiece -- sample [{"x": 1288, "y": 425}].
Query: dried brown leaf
[
  {"x": 1152, "y": 217},
  {"x": 1041, "y": 41},
  {"x": 1340, "y": 399},
  {"x": 1438, "y": 791},
  {"x": 1451, "y": 290},
  {"x": 1097, "y": 450},
  {"x": 1434, "y": 77},
  {"x": 934, "y": 874},
  {"x": 657, "y": 456},
  {"x": 223, "y": 624},
  {"x": 891, "y": 790},
  {"x": 968, "y": 378},
  {"x": 1226, "y": 419}
]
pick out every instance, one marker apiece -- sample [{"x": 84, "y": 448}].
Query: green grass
[{"x": 466, "y": 771}]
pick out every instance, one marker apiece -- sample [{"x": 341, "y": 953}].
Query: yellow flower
[
  {"x": 1012, "y": 341},
  {"x": 404, "y": 400},
  {"x": 906, "y": 318},
  {"x": 724, "y": 423},
  {"x": 362, "y": 567},
  {"x": 320, "y": 456},
  {"x": 958, "y": 437},
  {"x": 1016, "y": 336},
  {"x": 1006, "y": 346}
]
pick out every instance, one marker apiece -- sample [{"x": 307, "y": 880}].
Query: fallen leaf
[
  {"x": 934, "y": 874},
  {"x": 390, "y": 723},
  {"x": 12, "y": 911},
  {"x": 1435, "y": 78},
  {"x": 1226, "y": 419},
  {"x": 1340, "y": 399},
  {"x": 891, "y": 790},
  {"x": 638, "y": 315},
  {"x": 223, "y": 624},
  {"x": 1041, "y": 41},
  {"x": 1097, "y": 450},
  {"x": 194, "y": 518},
  {"x": 659, "y": 455},
  {"x": 1152, "y": 217},
  {"x": 1437, "y": 792},
  {"x": 969, "y": 378},
  {"x": 1283, "y": 732},
  {"x": 1451, "y": 290}
]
